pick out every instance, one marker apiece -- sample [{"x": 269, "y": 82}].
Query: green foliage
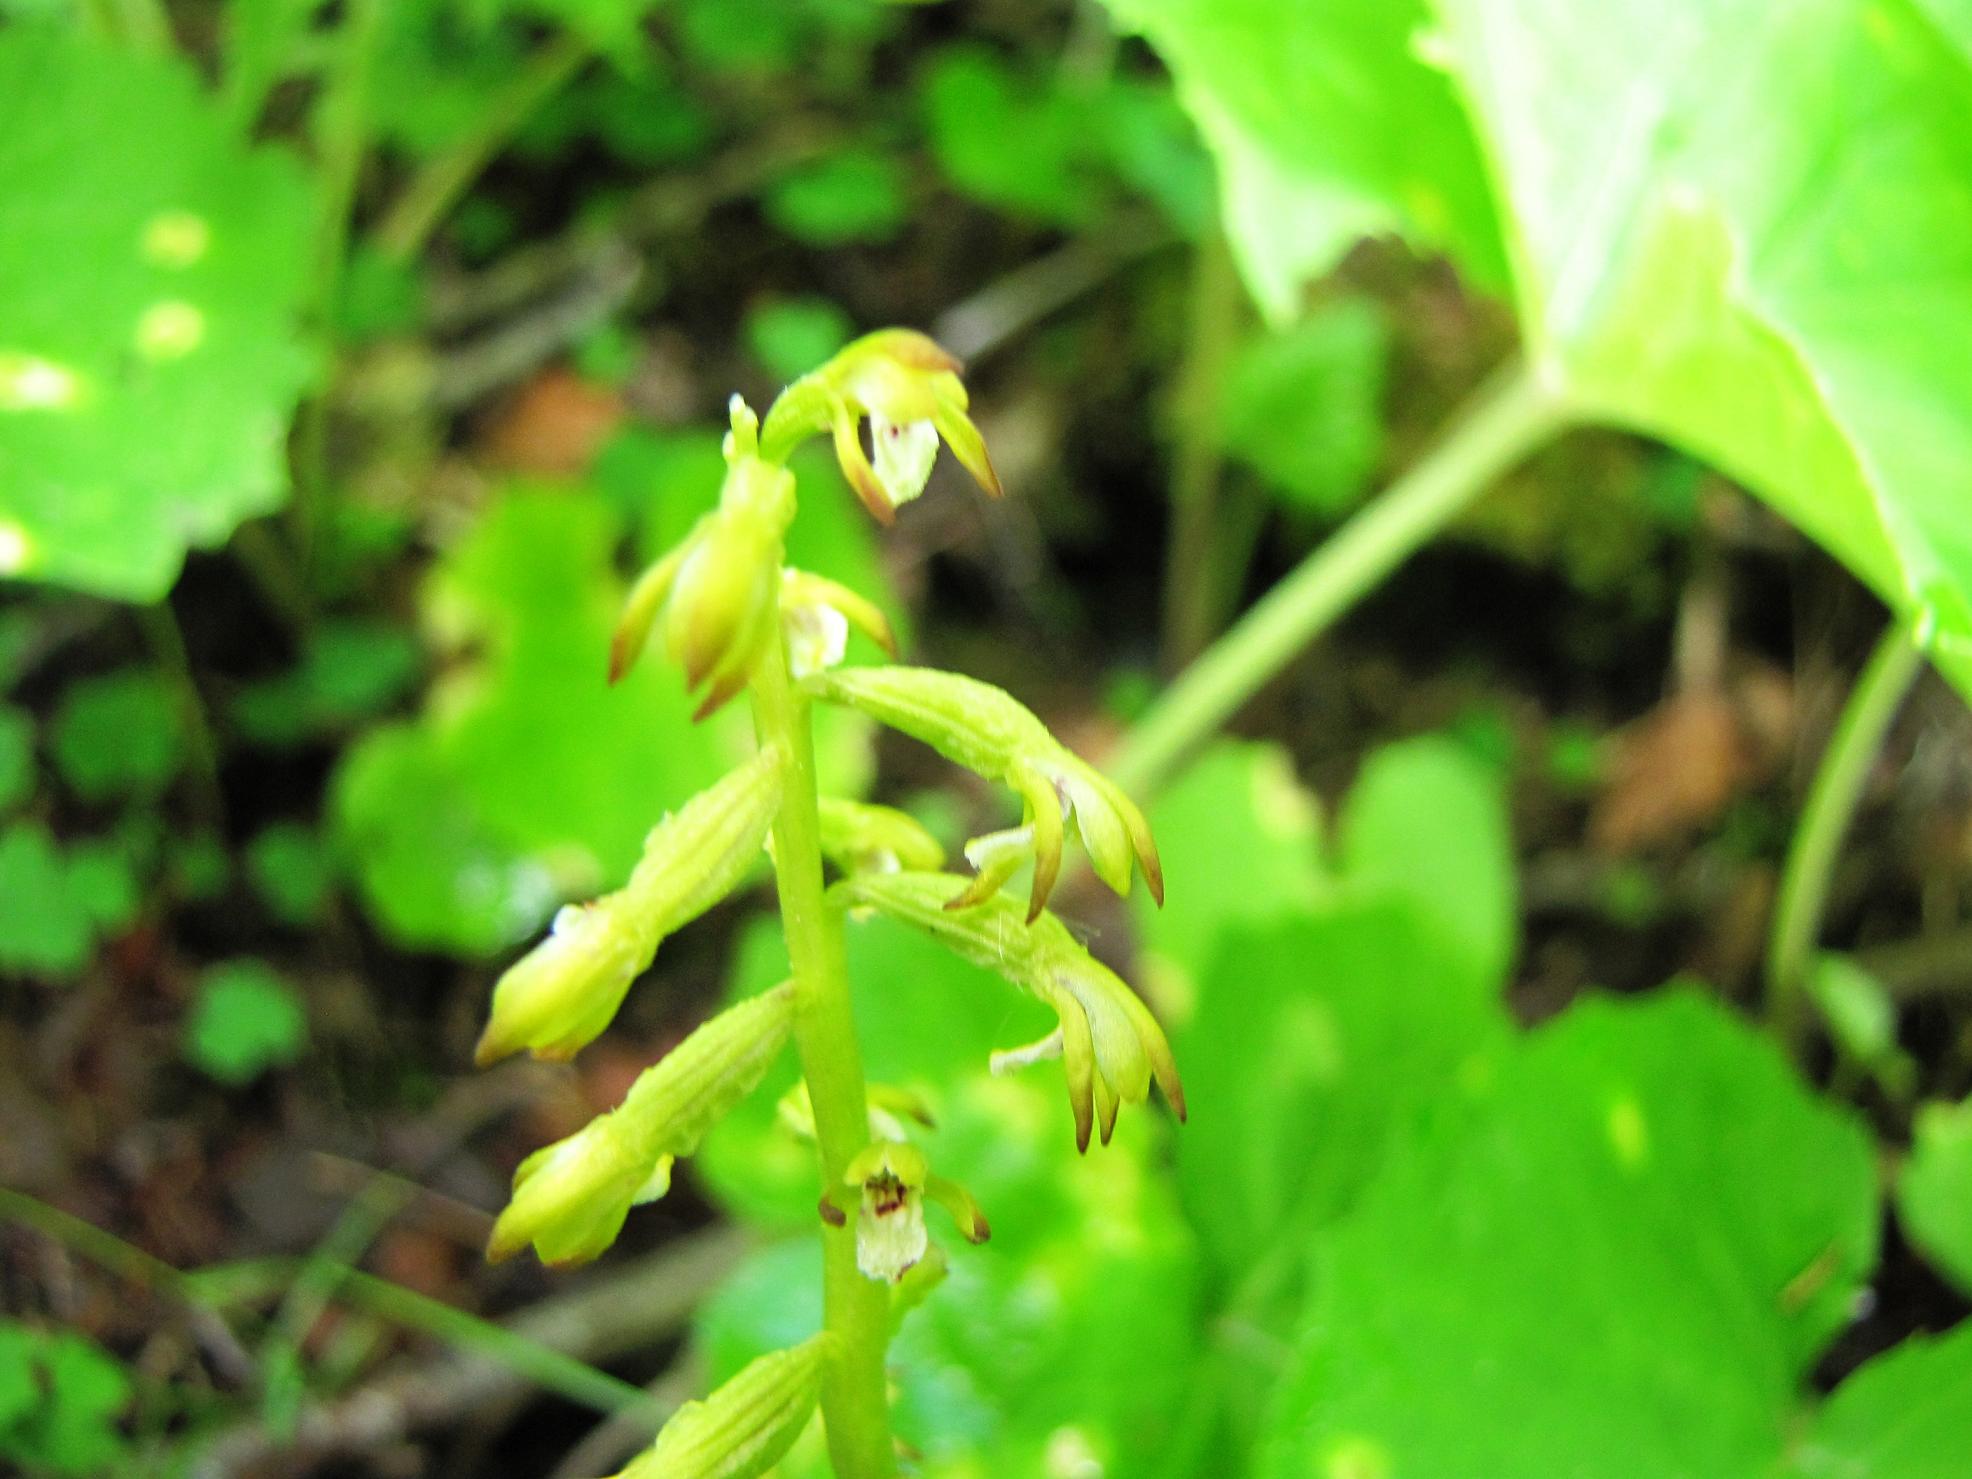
[
  {"x": 16, "y": 757},
  {"x": 790, "y": 336},
  {"x": 1934, "y": 1190},
  {"x": 1303, "y": 407},
  {"x": 151, "y": 268},
  {"x": 1773, "y": 274},
  {"x": 854, "y": 194},
  {"x": 1328, "y": 126},
  {"x": 526, "y": 779},
  {"x": 45, "y": 928},
  {"x": 1643, "y": 1223},
  {"x": 975, "y": 104},
  {"x": 118, "y": 735},
  {"x": 292, "y": 871},
  {"x": 1903, "y": 1416},
  {"x": 351, "y": 670},
  {"x": 60, "y": 1396},
  {"x": 246, "y": 1020}
]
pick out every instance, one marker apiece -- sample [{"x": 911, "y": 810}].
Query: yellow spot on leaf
[
  {"x": 1629, "y": 1133},
  {"x": 1356, "y": 1457},
  {"x": 176, "y": 239},
  {"x": 170, "y": 330},
  {"x": 31, "y": 383}
]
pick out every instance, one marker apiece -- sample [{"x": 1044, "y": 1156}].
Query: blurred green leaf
[
  {"x": 791, "y": 336},
  {"x": 1303, "y": 406},
  {"x": 1241, "y": 845},
  {"x": 45, "y": 927},
  {"x": 102, "y": 881},
  {"x": 351, "y": 670},
  {"x": 1934, "y": 1190},
  {"x": 1617, "y": 1255},
  {"x": 853, "y": 194},
  {"x": 1862, "y": 1020},
  {"x": 16, "y": 757},
  {"x": 1007, "y": 141},
  {"x": 246, "y": 1020},
  {"x": 151, "y": 271},
  {"x": 1328, "y": 125},
  {"x": 740, "y": 35},
  {"x": 1903, "y": 1416},
  {"x": 377, "y": 297},
  {"x": 76, "y": 1393},
  {"x": 290, "y": 868},
  {"x": 1427, "y": 823},
  {"x": 1152, "y": 145},
  {"x": 527, "y": 779},
  {"x": 118, "y": 735}
]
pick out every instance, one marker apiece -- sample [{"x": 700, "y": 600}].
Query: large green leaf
[
  {"x": 1903, "y": 1416},
  {"x": 527, "y": 779},
  {"x": 1934, "y": 1190},
  {"x": 151, "y": 269},
  {"x": 1327, "y": 127},
  {"x": 1617, "y": 1257},
  {"x": 1747, "y": 228}
]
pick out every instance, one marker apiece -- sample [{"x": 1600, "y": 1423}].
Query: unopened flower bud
[
  {"x": 717, "y": 594},
  {"x": 994, "y": 735},
  {"x": 570, "y": 1198},
  {"x": 745, "y": 1427},
  {"x": 858, "y": 835},
  {"x": 910, "y": 391},
  {"x": 559, "y": 996},
  {"x": 1110, "y": 1046}
]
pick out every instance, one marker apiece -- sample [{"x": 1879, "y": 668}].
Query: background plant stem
[
  {"x": 855, "y": 1309},
  {"x": 1511, "y": 415},
  {"x": 1831, "y": 803},
  {"x": 432, "y": 192},
  {"x": 1193, "y": 573}
]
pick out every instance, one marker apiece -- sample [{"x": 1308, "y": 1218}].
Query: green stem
[
  {"x": 1832, "y": 798},
  {"x": 1192, "y": 573},
  {"x": 342, "y": 137},
  {"x": 1513, "y": 414},
  {"x": 432, "y": 192},
  {"x": 856, "y": 1310}
]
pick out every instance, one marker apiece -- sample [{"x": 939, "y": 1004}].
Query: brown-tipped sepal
[
  {"x": 908, "y": 388},
  {"x": 714, "y": 600},
  {"x": 743, "y": 1429},
  {"x": 1111, "y": 1047},
  {"x": 994, "y": 735},
  {"x": 570, "y": 1198}
]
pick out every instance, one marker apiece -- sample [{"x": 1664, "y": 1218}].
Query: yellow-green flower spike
[
  {"x": 558, "y": 997},
  {"x": 743, "y": 1429},
  {"x": 994, "y": 735},
  {"x": 570, "y": 1198},
  {"x": 1110, "y": 1046}
]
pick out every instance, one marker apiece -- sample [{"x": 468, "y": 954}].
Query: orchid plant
[{"x": 729, "y": 612}]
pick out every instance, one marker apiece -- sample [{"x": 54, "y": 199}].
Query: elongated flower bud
[
  {"x": 559, "y": 996},
  {"x": 858, "y": 835},
  {"x": 717, "y": 594},
  {"x": 744, "y": 1428},
  {"x": 994, "y": 735},
  {"x": 1111, "y": 1047},
  {"x": 909, "y": 389},
  {"x": 570, "y": 1198}
]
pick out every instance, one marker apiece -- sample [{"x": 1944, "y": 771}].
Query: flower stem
[
  {"x": 856, "y": 1310},
  {"x": 1511, "y": 415},
  {"x": 1832, "y": 798}
]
